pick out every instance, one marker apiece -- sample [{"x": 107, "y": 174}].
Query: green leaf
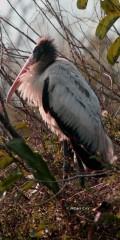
[
  {"x": 27, "y": 185},
  {"x": 21, "y": 125},
  {"x": 110, "y": 6},
  {"x": 35, "y": 161},
  {"x": 5, "y": 159},
  {"x": 105, "y": 24},
  {"x": 81, "y": 4},
  {"x": 114, "y": 51},
  {"x": 22, "y": 128},
  {"x": 9, "y": 181}
]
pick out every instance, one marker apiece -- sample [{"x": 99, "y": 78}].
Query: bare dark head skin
[{"x": 45, "y": 52}]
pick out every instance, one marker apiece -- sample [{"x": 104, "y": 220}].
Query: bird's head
[
  {"x": 43, "y": 55},
  {"x": 45, "y": 50}
]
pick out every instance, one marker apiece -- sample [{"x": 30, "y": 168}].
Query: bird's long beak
[{"x": 17, "y": 81}]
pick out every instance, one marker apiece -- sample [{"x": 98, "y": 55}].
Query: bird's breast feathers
[
  {"x": 31, "y": 90},
  {"x": 52, "y": 124}
]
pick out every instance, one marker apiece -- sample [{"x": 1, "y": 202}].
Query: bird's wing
[{"x": 73, "y": 104}]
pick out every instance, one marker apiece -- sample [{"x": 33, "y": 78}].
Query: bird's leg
[
  {"x": 80, "y": 169},
  {"x": 79, "y": 155},
  {"x": 66, "y": 165}
]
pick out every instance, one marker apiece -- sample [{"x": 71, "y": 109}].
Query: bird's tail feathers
[
  {"x": 109, "y": 154},
  {"x": 107, "y": 150}
]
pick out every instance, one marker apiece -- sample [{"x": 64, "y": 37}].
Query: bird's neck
[
  {"x": 45, "y": 62},
  {"x": 43, "y": 65}
]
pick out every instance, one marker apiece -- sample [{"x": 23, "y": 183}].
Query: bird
[{"x": 67, "y": 103}]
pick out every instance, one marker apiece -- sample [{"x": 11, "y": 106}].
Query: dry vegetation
[
  {"x": 38, "y": 214},
  {"x": 28, "y": 210}
]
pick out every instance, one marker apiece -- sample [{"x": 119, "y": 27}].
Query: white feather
[{"x": 31, "y": 91}]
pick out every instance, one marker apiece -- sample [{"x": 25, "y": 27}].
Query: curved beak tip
[{"x": 17, "y": 81}]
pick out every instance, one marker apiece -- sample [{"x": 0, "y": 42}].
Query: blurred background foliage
[{"x": 112, "y": 14}]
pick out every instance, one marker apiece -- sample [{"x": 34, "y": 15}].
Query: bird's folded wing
[{"x": 73, "y": 111}]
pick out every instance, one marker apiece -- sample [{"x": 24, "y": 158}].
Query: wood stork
[{"x": 66, "y": 103}]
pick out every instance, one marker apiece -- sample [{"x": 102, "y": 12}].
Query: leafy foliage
[
  {"x": 105, "y": 24},
  {"x": 114, "y": 51},
  {"x": 35, "y": 162},
  {"x": 110, "y": 6},
  {"x": 112, "y": 14},
  {"x": 5, "y": 159},
  {"x": 81, "y": 4},
  {"x": 17, "y": 150},
  {"x": 9, "y": 181}
]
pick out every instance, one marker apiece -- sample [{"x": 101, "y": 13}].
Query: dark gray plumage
[{"x": 66, "y": 102}]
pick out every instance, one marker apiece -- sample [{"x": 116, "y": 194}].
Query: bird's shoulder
[{"x": 66, "y": 80}]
